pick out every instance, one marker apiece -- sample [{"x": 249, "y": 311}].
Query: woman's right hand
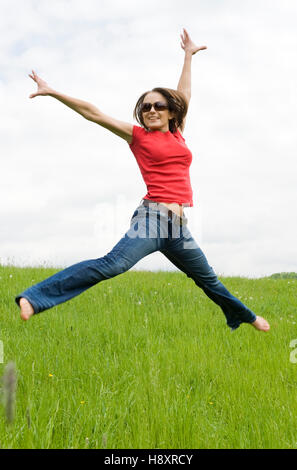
[{"x": 43, "y": 88}]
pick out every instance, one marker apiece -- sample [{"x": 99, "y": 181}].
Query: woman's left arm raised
[{"x": 184, "y": 84}]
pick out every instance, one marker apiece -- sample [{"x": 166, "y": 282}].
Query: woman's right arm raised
[{"x": 85, "y": 109}]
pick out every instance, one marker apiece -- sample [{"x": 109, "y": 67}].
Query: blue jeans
[{"x": 152, "y": 228}]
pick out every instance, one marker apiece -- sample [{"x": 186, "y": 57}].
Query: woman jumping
[{"x": 159, "y": 222}]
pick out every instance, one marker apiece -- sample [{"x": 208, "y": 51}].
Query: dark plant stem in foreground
[{"x": 9, "y": 388}]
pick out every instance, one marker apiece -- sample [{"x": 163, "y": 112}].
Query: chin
[{"x": 154, "y": 126}]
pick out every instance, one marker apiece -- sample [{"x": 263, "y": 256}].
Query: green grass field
[{"x": 146, "y": 360}]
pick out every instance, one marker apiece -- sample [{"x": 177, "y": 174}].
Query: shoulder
[
  {"x": 137, "y": 133},
  {"x": 178, "y": 135}
]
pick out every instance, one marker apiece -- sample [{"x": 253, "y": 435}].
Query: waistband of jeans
[{"x": 164, "y": 209}]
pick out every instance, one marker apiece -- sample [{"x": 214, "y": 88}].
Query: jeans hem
[{"x": 234, "y": 327}]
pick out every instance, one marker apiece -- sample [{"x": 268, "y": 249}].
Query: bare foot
[
  {"x": 26, "y": 309},
  {"x": 261, "y": 324}
]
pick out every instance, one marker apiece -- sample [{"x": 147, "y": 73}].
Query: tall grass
[{"x": 146, "y": 360}]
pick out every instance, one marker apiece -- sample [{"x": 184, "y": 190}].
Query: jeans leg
[
  {"x": 75, "y": 279},
  {"x": 185, "y": 254}
]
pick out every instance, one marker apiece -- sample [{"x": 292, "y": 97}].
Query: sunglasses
[{"x": 158, "y": 106}]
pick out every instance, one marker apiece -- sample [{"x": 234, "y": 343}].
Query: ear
[{"x": 171, "y": 115}]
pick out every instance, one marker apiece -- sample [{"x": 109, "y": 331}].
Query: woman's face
[{"x": 156, "y": 119}]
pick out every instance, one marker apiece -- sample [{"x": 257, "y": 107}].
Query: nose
[{"x": 152, "y": 110}]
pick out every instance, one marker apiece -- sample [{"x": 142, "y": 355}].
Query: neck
[{"x": 161, "y": 129}]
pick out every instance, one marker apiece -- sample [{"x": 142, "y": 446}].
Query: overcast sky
[{"x": 69, "y": 187}]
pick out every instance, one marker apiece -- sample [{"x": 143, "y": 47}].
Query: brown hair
[{"x": 177, "y": 104}]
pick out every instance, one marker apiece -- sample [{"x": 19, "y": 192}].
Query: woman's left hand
[{"x": 188, "y": 45}]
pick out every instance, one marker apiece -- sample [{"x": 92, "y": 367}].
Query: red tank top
[{"x": 164, "y": 161}]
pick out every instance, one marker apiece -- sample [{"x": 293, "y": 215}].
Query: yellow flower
[
  {"x": 50, "y": 375},
  {"x": 210, "y": 402},
  {"x": 82, "y": 402}
]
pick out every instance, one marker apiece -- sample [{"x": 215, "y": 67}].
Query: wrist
[{"x": 52, "y": 92}]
